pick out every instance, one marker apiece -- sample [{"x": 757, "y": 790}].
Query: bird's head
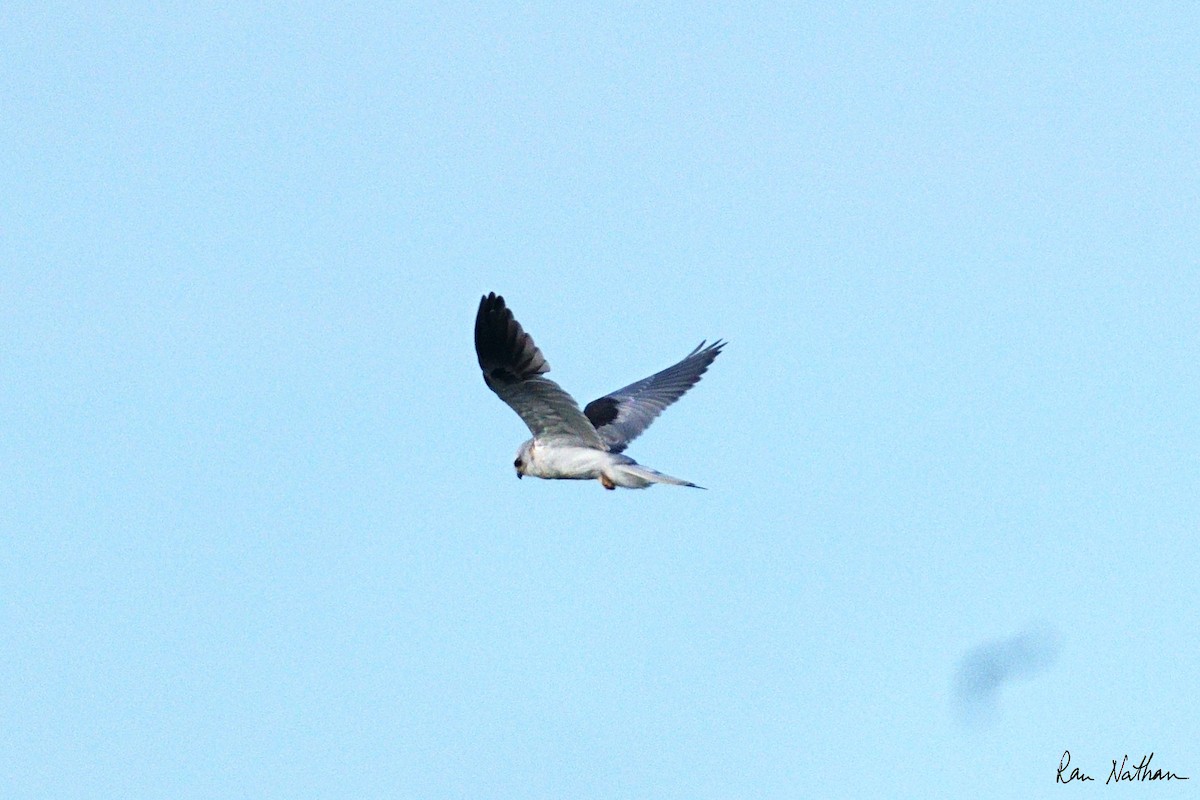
[{"x": 521, "y": 463}]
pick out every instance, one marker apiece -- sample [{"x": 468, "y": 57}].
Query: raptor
[{"x": 569, "y": 443}]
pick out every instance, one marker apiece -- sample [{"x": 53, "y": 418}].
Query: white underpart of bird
[{"x": 569, "y": 443}]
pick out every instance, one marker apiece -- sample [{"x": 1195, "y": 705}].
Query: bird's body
[
  {"x": 567, "y": 443},
  {"x": 571, "y": 462}
]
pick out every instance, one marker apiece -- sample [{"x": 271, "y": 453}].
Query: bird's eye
[{"x": 517, "y": 463}]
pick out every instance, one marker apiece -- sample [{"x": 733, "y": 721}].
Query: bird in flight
[{"x": 569, "y": 444}]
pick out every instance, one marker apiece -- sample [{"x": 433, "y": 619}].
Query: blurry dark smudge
[{"x": 986, "y": 668}]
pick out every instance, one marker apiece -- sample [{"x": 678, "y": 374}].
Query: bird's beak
[{"x": 519, "y": 476}]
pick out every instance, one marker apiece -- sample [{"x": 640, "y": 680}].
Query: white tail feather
[{"x": 636, "y": 476}]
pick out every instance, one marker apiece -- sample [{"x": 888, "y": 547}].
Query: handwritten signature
[{"x": 1135, "y": 772}]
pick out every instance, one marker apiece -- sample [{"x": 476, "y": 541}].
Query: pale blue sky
[{"x": 262, "y": 535}]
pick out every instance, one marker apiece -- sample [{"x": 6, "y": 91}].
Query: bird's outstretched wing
[
  {"x": 621, "y": 416},
  {"x": 513, "y": 367}
]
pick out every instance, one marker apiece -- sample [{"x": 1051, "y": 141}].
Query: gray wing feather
[
  {"x": 621, "y": 416},
  {"x": 513, "y": 368}
]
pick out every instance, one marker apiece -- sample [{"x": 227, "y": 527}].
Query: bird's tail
[{"x": 635, "y": 476}]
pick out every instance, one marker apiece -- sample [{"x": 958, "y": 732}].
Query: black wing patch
[{"x": 602, "y": 411}]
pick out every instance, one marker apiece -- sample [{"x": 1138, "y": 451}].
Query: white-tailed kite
[{"x": 569, "y": 444}]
